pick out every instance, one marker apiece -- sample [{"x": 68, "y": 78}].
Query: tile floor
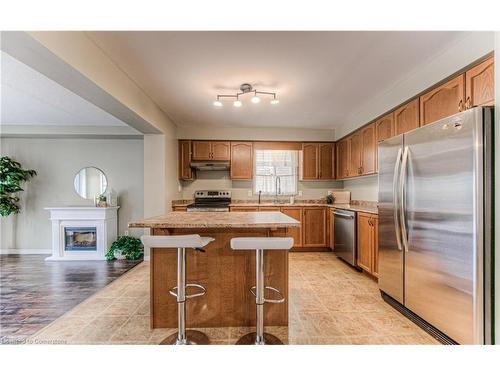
[
  {"x": 330, "y": 303},
  {"x": 34, "y": 293}
]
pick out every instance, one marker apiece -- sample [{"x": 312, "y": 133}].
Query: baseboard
[{"x": 25, "y": 251}]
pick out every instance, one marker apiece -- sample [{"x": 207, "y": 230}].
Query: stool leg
[
  {"x": 181, "y": 295},
  {"x": 259, "y": 295}
]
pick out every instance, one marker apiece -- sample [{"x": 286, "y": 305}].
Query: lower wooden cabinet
[
  {"x": 296, "y": 233},
  {"x": 367, "y": 232},
  {"x": 179, "y": 208},
  {"x": 243, "y": 209},
  {"x": 314, "y": 227}
]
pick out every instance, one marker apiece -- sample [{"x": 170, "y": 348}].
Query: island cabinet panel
[
  {"x": 342, "y": 159},
  {"x": 314, "y": 227},
  {"x": 443, "y": 101},
  {"x": 384, "y": 127},
  {"x": 407, "y": 117},
  {"x": 326, "y": 168},
  {"x": 241, "y": 160},
  {"x": 211, "y": 150},
  {"x": 227, "y": 275},
  {"x": 368, "y": 150},
  {"x": 355, "y": 154},
  {"x": 480, "y": 84},
  {"x": 310, "y": 161},
  {"x": 367, "y": 241},
  {"x": 185, "y": 170},
  {"x": 296, "y": 233}
]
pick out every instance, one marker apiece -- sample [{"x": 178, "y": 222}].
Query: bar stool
[
  {"x": 259, "y": 244},
  {"x": 193, "y": 241}
]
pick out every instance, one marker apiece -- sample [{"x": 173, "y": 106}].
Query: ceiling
[
  {"x": 30, "y": 98},
  {"x": 321, "y": 78}
]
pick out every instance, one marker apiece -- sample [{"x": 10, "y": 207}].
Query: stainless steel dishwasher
[{"x": 345, "y": 235}]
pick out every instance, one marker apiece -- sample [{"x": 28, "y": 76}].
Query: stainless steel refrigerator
[{"x": 435, "y": 226}]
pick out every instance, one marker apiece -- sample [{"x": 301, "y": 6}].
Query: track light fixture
[{"x": 246, "y": 88}]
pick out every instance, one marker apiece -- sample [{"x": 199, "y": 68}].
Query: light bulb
[
  {"x": 275, "y": 101},
  {"x": 237, "y": 103},
  {"x": 255, "y": 99},
  {"x": 218, "y": 103}
]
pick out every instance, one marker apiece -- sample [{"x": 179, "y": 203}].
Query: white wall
[
  {"x": 363, "y": 188},
  {"x": 56, "y": 162}
]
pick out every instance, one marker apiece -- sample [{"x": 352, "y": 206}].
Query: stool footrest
[
  {"x": 281, "y": 298},
  {"x": 199, "y": 294}
]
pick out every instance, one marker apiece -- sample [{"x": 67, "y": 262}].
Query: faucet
[{"x": 276, "y": 187}]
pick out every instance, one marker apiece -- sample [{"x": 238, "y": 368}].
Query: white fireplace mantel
[{"x": 104, "y": 220}]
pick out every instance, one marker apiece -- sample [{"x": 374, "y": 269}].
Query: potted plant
[
  {"x": 12, "y": 176},
  {"x": 125, "y": 247}
]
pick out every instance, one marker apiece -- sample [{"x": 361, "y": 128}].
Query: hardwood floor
[
  {"x": 330, "y": 303},
  {"x": 34, "y": 293}
]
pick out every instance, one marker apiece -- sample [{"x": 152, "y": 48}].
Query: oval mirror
[{"x": 90, "y": 182}]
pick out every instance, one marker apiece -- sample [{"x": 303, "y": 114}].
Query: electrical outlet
[
  {"x": 249, "y": 193},
  {"x": 125, "y": 232},
  {"x": 300, "y": 193}
]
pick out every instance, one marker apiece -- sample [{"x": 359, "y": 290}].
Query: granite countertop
[
  {"x": 358, "y": 206},
  {"x": 266, "y": 220}
]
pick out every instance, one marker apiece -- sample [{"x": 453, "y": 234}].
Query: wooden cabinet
[
  {"x": 443, "y": 101},
  {"x": 367, "y": 235},
  {"x": 480, "y": 84},
  {"x": 318, "y": 161},
  {"x": 270, "y": 209},
  {"x": 342, "y": 158},
  {"x": 384, "y": 127},
  {"x": 407, "y": 117},
  {"x": 185, "y": 170},
  {"x": 241, "y": 160},
  {"x": 179, "y": 208},
  {"x": 243, "y": 209},
  {"x": 296, "y": 233},
  {"x": 314, "y": 227},
  {"x": 355, "y": 154},
  {"x": 211, "y": 150},
  {"x": 368, "y": 150}
]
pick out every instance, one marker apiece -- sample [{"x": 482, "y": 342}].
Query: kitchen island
[{"x": 227, "y": 275}]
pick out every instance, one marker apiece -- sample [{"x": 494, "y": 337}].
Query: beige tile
[
  {"x": 125, "y": 306},
  {"x": 100, "y": 330}
]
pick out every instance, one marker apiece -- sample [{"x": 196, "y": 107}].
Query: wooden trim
[{"x": 277, "y": 145}]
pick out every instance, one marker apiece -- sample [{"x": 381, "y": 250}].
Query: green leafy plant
[
  {"x": 12, "y": 176},
  {"x": 130, "y": 247}
]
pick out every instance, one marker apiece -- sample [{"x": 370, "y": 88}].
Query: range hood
[{"x": 210, "y": 165}]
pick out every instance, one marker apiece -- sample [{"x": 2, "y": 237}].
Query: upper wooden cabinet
[
  {"x": 342, "y": 158},
  {"x": 443, "y": 101},
  {"x": 384, "y": 127},
  {"x": 241, "y": 160},
  {"x": 318, "y": 161},
  {"x": 355, "y": 154},
  {"x": 211, "y": 150},
  {"x": 368, "y": 150},
  {"x": 407, "y": 117},
  {"x": 480, "y": 84},
  {"x": 185, "y": 171}
]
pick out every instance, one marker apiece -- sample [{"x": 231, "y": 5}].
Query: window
[{"x": 275, "y": 169}]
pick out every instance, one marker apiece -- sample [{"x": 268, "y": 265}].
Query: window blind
[{"x": 276, "y": 169}]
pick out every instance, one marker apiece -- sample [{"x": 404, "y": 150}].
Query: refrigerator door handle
[
  {"x": 402, "y": 197},
  {"x": 395, "y": 197}
]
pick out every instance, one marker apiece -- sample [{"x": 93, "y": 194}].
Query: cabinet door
[
  {"x": 342, "y": 159},
  {"x": 314, "y": 227},
  {"x": 296, "y": 233},
  {"x": 355, "y": 154},
  {"x": 241, "y": 160},
  {"x": 443, "y": 101},
  {"x": 310, "y": 161},
  {"x": 201, "y": 150},
  {"x": 406, "y": 117},
  {"x": 326, "y": 161},
  {"x": 368, "y": 149},
  {"x": 364, "y": 228},
  {"x": 384, "y": 127},
  {"x": 243, "y": 209},
  {"x": 480, "y": 84},
  {"x": 220, "y": 151},
  {"x": 332, "y": 228},
  {"x": 375, "y": 246},
  {"x": 185, "y": 171}
]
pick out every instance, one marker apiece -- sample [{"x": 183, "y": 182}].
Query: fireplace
[{"x": 80, "y": 239}]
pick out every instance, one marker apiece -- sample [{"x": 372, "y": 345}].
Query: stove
[{"x": 210, "y": 201}]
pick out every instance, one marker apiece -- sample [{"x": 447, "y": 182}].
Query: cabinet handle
[
  {"x": 468, "y": 104},
  {"x": 460, "y": 105}
]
